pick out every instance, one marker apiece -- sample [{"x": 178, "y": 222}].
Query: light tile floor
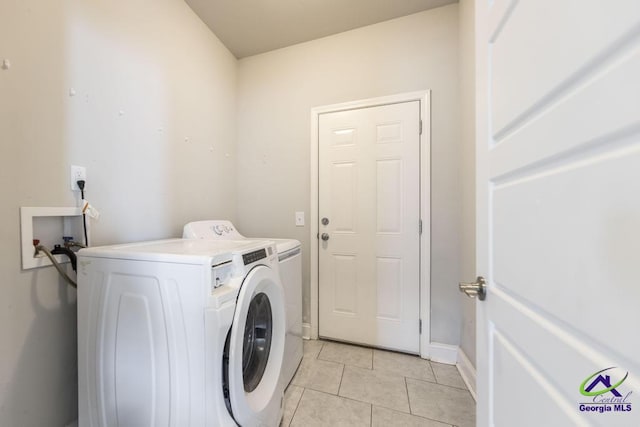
[{"x": 347, "y": 385}]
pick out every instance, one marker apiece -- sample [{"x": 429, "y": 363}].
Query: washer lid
[
  {"x": 256, "y": 349},
  {"x": 284, "y": 245},
  {"x": 187, "y": 251},
  {"x": 216, "y": 229},
  {"x": 219, "y": 229}
]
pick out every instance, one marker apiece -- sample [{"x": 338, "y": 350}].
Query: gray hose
[
  {"x": 74, "y": 245},
  {"x": 57, "y": 265}
]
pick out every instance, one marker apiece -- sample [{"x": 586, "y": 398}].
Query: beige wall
[
  {"x": 468, "y": 225},
  {"x": 276, "y": 92},
  {"x": 154, "y": 119},
  {"x": 147, "y": 74}
]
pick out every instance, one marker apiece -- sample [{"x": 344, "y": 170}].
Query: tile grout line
[
  {"x": 456, "y": 374},
  {"x": 341, "y": 377},
  {"x": 371, "y": 419},
  {"x": 297, "y": 406},
  {"x": 412, "y": 415},
  {"x": 371, "y": 405},
  {"x": 339, "y": 397},
  {"x": 433, "y": 372},
  {"x": 347, "y": 362},
  {"x": 420, "y": 379},
  {"x": 434, "y": 382},
  {"x": 441, "y": 385},
  {"x": 406, "y": 387},
  {"x": 353, "y": 400},
  {"x": 319, "y": 351}
]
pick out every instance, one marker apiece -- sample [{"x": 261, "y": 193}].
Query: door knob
[
  {"x": 325, "y": 221},
  {"x": 475, "y": 289},
  {"x": 325, "y": 236}
]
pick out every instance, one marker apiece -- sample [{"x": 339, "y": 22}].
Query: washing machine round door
[{"x": 256, "y": 349}]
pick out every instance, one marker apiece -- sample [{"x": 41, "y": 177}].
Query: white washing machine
[
  {"x": 180, "y": 333},
  {"x": 290, "y": 259}
]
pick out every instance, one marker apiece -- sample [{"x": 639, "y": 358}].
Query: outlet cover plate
[{"x": 78, "y": 173}]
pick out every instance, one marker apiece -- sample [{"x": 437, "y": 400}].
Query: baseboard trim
[
  {"x": 443, "y": 353},
  {"x": 306, "y": 331},
  {"x": 467, "y": 372}
]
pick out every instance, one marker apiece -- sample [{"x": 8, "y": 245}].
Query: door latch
[{"x": 475, "y": 289}]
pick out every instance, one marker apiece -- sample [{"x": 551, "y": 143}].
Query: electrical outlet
[{"x": 78, "y": 173}]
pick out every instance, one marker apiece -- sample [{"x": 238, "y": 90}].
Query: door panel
[
  {"x": 559, "y": 58},
  {"x": 369, "y": 190},
  {"x": 558, "y": 156},
  {"x": 389, "y": 290},
  {"x": 528, "y": 377},
  {"x": 345, "y": 188},
  {"x": 344, "y": 284},
  {"x": 585, "y": 246},
  {"x": 389, "y": 196}
]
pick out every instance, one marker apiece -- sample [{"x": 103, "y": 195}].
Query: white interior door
[
  {"x": 369, "y": 193},
  {"x": 558, "y": 181}
]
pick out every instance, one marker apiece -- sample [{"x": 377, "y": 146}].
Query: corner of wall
[
  {"x": 467, "y": 170},
  {"x": 467, "y": 372}
]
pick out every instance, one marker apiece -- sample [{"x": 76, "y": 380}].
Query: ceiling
[{"x": 250, "y": 27}]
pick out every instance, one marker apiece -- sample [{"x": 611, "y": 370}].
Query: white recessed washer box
[{"x": 47, "y": 224}]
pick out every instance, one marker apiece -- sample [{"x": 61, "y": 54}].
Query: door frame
[{"x": 424, "y": 97}]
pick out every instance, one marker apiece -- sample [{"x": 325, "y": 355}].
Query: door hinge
[
  {"x": 420, "y": 131},
  {"x": 420, "y": 226},
  {"x": 420, "y": 326}
]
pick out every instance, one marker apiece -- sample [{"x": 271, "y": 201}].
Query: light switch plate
[{"x": 299, "y": 219}]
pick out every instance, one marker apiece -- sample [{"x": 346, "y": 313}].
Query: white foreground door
[
  {"x": 558, "y": 181},
  {"x": 369, "y": 194}
]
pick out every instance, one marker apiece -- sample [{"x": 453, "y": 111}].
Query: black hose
[
  {"x": 59, "y": 250},
  {"x": 57, "y": 265},
  {"x": 84, "y": 224},
  {"x": 84, "y": 217}
]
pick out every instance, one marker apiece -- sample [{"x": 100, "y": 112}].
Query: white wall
[
  {"x": 468, "y": 170},
  {"x": 276, "y": 92},
  {"x": 147, "y": 74}
]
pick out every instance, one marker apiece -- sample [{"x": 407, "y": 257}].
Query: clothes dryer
[
  {"x": 290, "y": 266},
  {"x": 180, "y": 333}
]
